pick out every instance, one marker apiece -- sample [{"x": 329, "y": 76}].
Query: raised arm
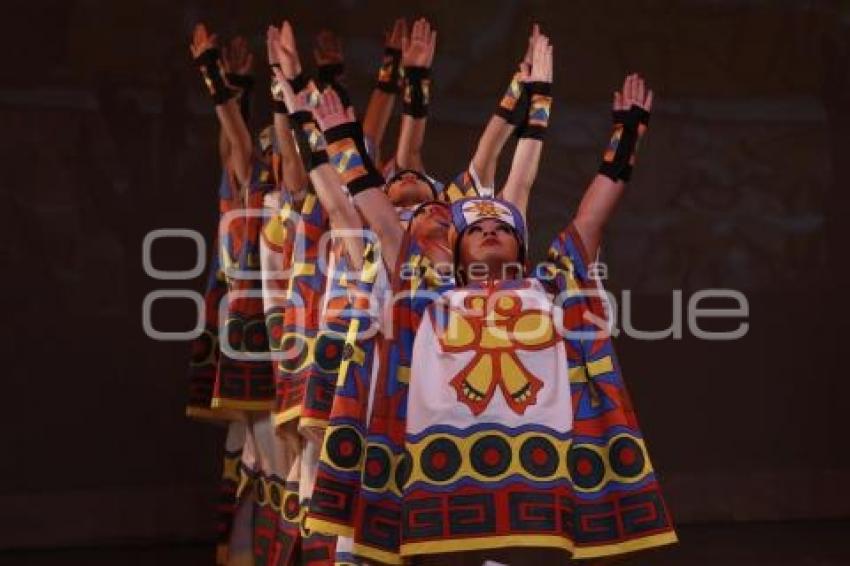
[
  {"x": 380, "y": 107},
  {"x": 239, "y": 146},
  {"x": 294, "y": 175},
  {"x": 631, "y": 116},
  {"x": 326, "y": 182},
  {"x": 537, "y": 87},
  {"x": 347, "y": 154},
  {"x": 510, "y": 114},
  {"x": 237, "y": 62},
  {"x": 417, "y": 56},
  {"x": 330, "y": 63}
]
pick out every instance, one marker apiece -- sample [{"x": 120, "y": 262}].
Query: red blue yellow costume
[{"x": 500, "y": 419}]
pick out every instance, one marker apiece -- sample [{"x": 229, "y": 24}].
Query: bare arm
[
  {"x": 345, "y": 139},
  {"x": 417, "y": 57},
  {"x": 294, "y": 175},
  {"x": 631, "y": 115},
  {"x": 208, "y": 59},
  {"x": 509, "y": 114},
  {"x": 537, "y": 86},
  {"x": 493, "y": 140},
  {"x": 381, "y": 101},
  {"x": 239, "y": 140}
]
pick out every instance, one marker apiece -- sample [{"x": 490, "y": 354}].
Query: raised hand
[
  {"x": 393, "y": 39},
  {"x": 633, "y": 93},
  {"x": 282, "y": 50},
  {"x": 201, "y": 40},
  {"x": 237, "y": 57},
  {"x": 541, "y": 59},
  {"x": 328, "y": 49},
  {"x": 525, "y": 64},
  {"x": 331, "y": 112},
  {"x": 418, "y": 50}
]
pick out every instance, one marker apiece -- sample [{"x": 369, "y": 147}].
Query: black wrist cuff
[
  {"x": 330, "y": 73},
  {"x": 245, "y": 82},
  {"x": 308, "y": 136},
  {"x": 417, "y": 91},
  {"x": 347, "y": 153},
  {"x": 539, "y": 107},
  {"x": 279, "y": 107},
  {"x": 389, "y": 75},
  {"x": 299, "y": 83},
  {"x": 209, "y": 63},
  {"x": 619, "y": 157}
]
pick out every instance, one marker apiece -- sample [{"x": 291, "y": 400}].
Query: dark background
[{"x": 741, "y": 183}]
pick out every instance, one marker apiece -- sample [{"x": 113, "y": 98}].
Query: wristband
[
  {"x": 330, "y": 73},
  {"x": 539, "y": 96},
  {"x": 347, "y": 154},
  {"x": 308, "y": 136},
  {"x": 279, "y": 107},
  {"x": 330, "y": 76},
  {"x": 389, "y": 74},
  {"x": 417, "y": 91},
  {"x": 209, "y": 62},
  {"x": 513, "y": 106},
  {"x": 619, "y": 157},
  {"x": 299, "y": 83},
  {"x": 245, "y": 83}
]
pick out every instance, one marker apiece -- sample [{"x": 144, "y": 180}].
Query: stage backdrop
[{"x": 741, "y": 184}]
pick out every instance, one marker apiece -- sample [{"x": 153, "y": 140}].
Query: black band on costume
[
  {"x": 539, "y": 96},
  {"x": 619, "y": 157},
  {"x": 331, "y": 76},
  {"x": 244, "y": 83},
  {"x": 330, "y": 73},
  {"x": 347, "y": 153},
  {"x": 417, "y": 91},
  {"x": 299, "y": 83},
  {"x": 513, "y": 106},
  {"x": 279, "y": 107},
  {"x": 209, "y": 62},
  {"x": 389, "y": 75},
  {"x": 308, "y": 136}
]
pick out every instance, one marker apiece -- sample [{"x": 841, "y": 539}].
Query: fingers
[
  {"x": 635, "y": 92},
  {"x": 432, "y": 48},
  {"x": 287, "y": 37},
  {"x": 618, "y": 101},
  {"x": 640, "y": 90},
  {"x": 550, "y": 67},
  {"x": 629, "y": 90},
  {"x": 331, "y": 99},
  {"x": 541, "y": 59}
]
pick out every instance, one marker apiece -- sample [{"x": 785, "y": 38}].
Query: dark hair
[{"x": 419, "y": 175}]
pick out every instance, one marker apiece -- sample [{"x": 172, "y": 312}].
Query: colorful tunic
[
  {"x": 302, "y": 312},
  {"x": 340, "y": 476},
  {"x": 244, "y": 379},
  {"x": 518, "y": 430}
]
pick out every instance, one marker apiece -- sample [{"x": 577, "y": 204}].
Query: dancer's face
[
  {"x": 409, "y": 190},
  {"x": 490, "y": 242},
  {"x": 432, "y": 222}
]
